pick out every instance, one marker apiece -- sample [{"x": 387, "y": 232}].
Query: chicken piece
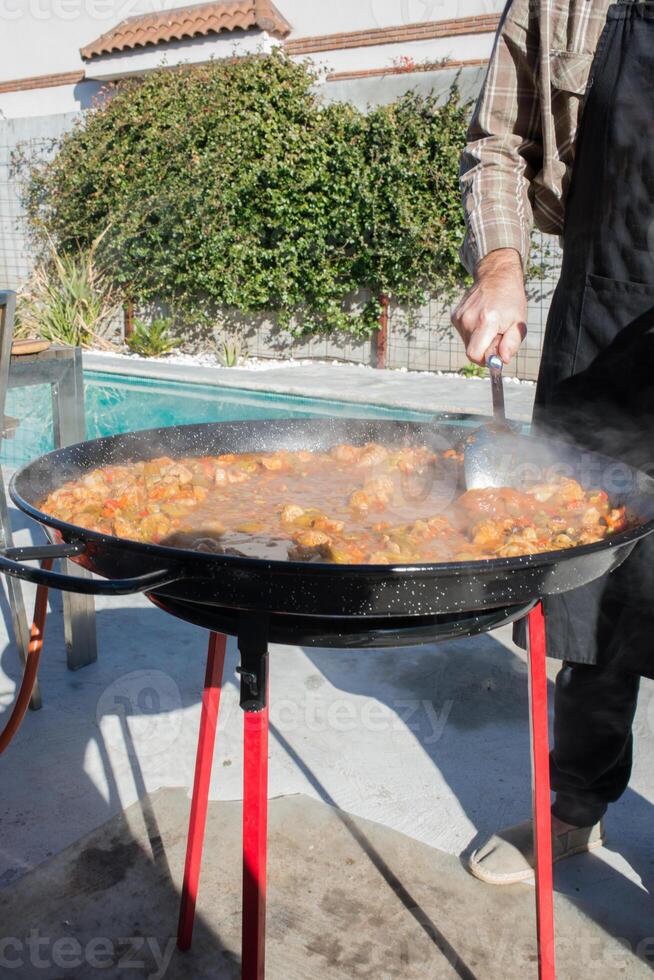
[
  {"x": 488, "y": 534},
  {"x": 155, "y": 527},
  {"x": 516, "y": 548},
  {"x": 616, "y": 519},
  {"x": 126, "y": 529},
  {"x": 569, "y": 491},
  {"x": 345, "y": 453},
  {"x": 323, "y": 523},
  {"x": 593, "y": 534},
  {"x": 311, "y": 538},
  {"x": 238, "y": 476},
  {"x": 360, "y": 500},
  {"x": 598, "y": 498},
  {"x": 380, "y": 487},
  {"x": 177, "y": 474},
  {"x": 348, "y": 550},
  {"x": 590, "y": 517},
  {"x": 290, "y": 513},
  {"x": 542, "y": 491},
  {"x": 439, "y": 525},
  {"x": 95, "y": 481},
  {"x": 310, "y": 544},
  {"x": 155, "y": 467},
  {"x": 373, "y": 455},
  {"x": 562, "y": 541}
]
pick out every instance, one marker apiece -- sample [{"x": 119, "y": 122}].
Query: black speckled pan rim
[{"x": 184, "y": 557}]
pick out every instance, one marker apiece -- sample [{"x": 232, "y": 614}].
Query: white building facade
[
  {"x": 50, "y": 58},
  {"x": 55, "y": 55}
]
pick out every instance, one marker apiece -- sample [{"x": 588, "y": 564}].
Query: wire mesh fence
[
  {"x": 422, "y": 339},
  {"x": 14, "y": 249}
]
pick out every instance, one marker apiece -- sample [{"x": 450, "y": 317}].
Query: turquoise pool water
[{"x": 119, "y": 403}]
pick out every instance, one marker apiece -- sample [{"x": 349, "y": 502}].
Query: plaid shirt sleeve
[{"x": 504, "y": 149}]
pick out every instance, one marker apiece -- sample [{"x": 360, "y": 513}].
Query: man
[{"x": 563, "y": 134}]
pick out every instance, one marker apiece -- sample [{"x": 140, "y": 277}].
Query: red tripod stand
[{"x": 254, "y": 701}]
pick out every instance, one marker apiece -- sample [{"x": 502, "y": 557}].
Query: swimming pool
[{"x": 120, "y": 403}]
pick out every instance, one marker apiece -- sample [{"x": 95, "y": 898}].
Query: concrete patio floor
[
  {"x": 348, "y": 898},
  {"x": 422, "y": 752}
]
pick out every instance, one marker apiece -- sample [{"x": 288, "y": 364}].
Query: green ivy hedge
[{"x": 231, "y": 185}]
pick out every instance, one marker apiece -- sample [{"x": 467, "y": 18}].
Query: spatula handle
[{"x": 495, "y": 365}]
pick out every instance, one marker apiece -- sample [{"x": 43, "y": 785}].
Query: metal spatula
[{"x": 489, "y": 452}]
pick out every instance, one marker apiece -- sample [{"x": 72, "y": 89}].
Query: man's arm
[{"x": 503, "y": 155}]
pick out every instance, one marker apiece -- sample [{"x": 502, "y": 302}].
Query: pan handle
[{"x": 11, "y": 564}]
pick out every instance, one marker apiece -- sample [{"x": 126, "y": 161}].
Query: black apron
[{"x": 596, "y": 381}]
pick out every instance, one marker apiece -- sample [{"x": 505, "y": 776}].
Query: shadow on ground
[{"x": 349, "y": 897}]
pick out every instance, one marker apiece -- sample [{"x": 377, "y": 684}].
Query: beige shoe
[{"x": 508, "y": 857}]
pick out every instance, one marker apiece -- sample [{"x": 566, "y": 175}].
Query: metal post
[
  {"x": 128, "y": 319},
  {"x": 201, "y": 782},
  {"x": 69, "y": 427},
  {"x": 541, "y": 794},
  {"x": 381, "y": 337},
  {"x": 14, "y": 588},
  {"x": 253, "y": 646}
]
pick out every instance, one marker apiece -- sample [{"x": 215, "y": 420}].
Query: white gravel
[{"x": 208, "y": 359}]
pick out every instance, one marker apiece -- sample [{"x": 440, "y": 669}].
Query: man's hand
[{"x": 495, "y": 305}]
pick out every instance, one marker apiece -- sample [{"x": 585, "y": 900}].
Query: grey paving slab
[
  {"x": 355, "y": 383},
  {"x": 348, "y": 898}
]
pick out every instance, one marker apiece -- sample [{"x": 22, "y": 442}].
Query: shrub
[
  {"x": 230, "y": 185},
  {"x": 152, "y": 339},
  {"x": 232, "y": 352},
  {"x": 68, "y": 299}
]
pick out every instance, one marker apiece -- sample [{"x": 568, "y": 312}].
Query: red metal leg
[
  {"x": 541, "y": 794},
  {"x": 202, "y": 779},
  {"x": 255, "y": 841}
]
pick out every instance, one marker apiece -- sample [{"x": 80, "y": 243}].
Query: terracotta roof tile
[{"x": 186, "y": 22}]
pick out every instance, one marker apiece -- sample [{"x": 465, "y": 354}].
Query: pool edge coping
[{"x": 247, "y": 380}]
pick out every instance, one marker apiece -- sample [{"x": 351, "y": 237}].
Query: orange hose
[{"x": 31, "y": 665}]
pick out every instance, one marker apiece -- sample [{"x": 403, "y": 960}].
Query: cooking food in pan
[{"x": 367, "y": 504}]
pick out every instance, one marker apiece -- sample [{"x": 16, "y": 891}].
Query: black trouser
[{"x": 593, "y": 743}]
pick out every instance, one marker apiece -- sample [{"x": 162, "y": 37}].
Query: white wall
[
  {"x": 48, "y": 101},
  {"x": 40, "y": 37},
  {"x": 386, "y": 55},
  {"x": 312, "y": 17}
]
